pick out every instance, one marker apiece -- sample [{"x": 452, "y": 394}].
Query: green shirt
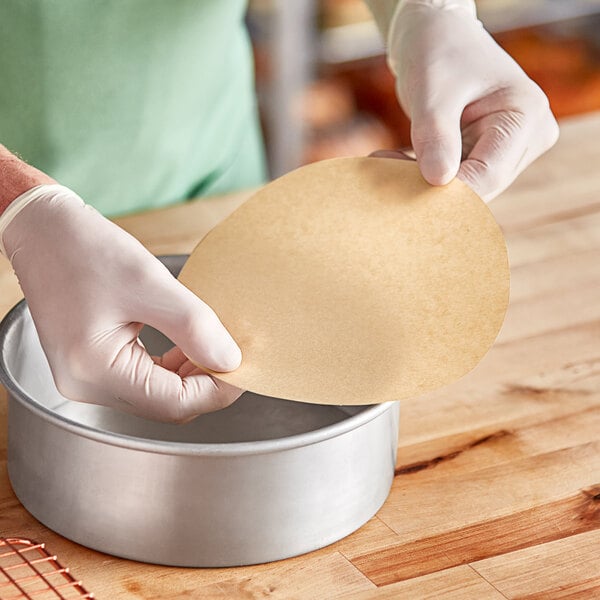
[{"x": 131, "y": 103}]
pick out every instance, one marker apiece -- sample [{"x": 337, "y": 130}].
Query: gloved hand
[
  {"x": 474, "y": 112},
  {"x": 90, "y": 286}
]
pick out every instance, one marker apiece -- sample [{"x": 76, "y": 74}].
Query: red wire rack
[{"x": 29, "y": 572}]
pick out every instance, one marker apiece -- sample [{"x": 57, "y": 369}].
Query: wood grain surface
[{"x": 497, "y": 487}]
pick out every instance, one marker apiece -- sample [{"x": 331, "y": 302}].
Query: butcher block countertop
[{"x": 497, "y": 487}]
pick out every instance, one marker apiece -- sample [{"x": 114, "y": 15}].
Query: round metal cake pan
[{"x": 261, "y": 480}]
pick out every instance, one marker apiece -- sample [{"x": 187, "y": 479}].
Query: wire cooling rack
[{"x": 29, "y": 572}]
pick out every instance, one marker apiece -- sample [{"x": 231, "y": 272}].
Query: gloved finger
[
  {"x": 496, "y": 153},
  {"x": 399, "y": 153},
  {"x": 177, "y": 362},
  {"x": 436, "y": 139},
  {"x": 500, "y": 151},
  {"x": 140, "y": 386},
  {"x": 189, "y": 368},
  {"x": 189, "y": 323},
  {"x": 172, "y": 359},
  {"x": 503, "y": 133}
]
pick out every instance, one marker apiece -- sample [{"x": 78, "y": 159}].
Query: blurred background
[{"x": 324, "y": 88}]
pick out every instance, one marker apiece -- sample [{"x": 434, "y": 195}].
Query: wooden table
[{"x": 497, "y": 492}]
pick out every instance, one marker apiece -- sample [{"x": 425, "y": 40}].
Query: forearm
[{"x": 16, "y": 177}]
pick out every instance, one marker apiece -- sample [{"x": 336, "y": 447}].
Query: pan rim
[{"x": 130, "y": 442}]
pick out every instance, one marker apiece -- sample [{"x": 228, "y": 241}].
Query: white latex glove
[
  {"x": 90, "y": 286},
  {"x": 474, "y": 112}
]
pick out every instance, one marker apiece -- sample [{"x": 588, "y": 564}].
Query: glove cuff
[{"x": 20, "y": 202}]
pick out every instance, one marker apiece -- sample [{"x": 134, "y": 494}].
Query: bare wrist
[{"x": 16, "y": 177}]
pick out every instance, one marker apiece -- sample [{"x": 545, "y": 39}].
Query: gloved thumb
[
  {"x": 191, "y": 324},
  {"x": 437, "y": 142}
]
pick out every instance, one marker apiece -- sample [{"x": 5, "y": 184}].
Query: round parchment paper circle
[{"x": 353, "y": 281}]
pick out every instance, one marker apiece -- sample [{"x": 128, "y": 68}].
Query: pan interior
[{"x": 251, "y": 418}]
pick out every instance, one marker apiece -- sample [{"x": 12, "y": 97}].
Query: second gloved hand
[
  {"x": 90, "y": 286},
  {"x": 474, "y": 112}
]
